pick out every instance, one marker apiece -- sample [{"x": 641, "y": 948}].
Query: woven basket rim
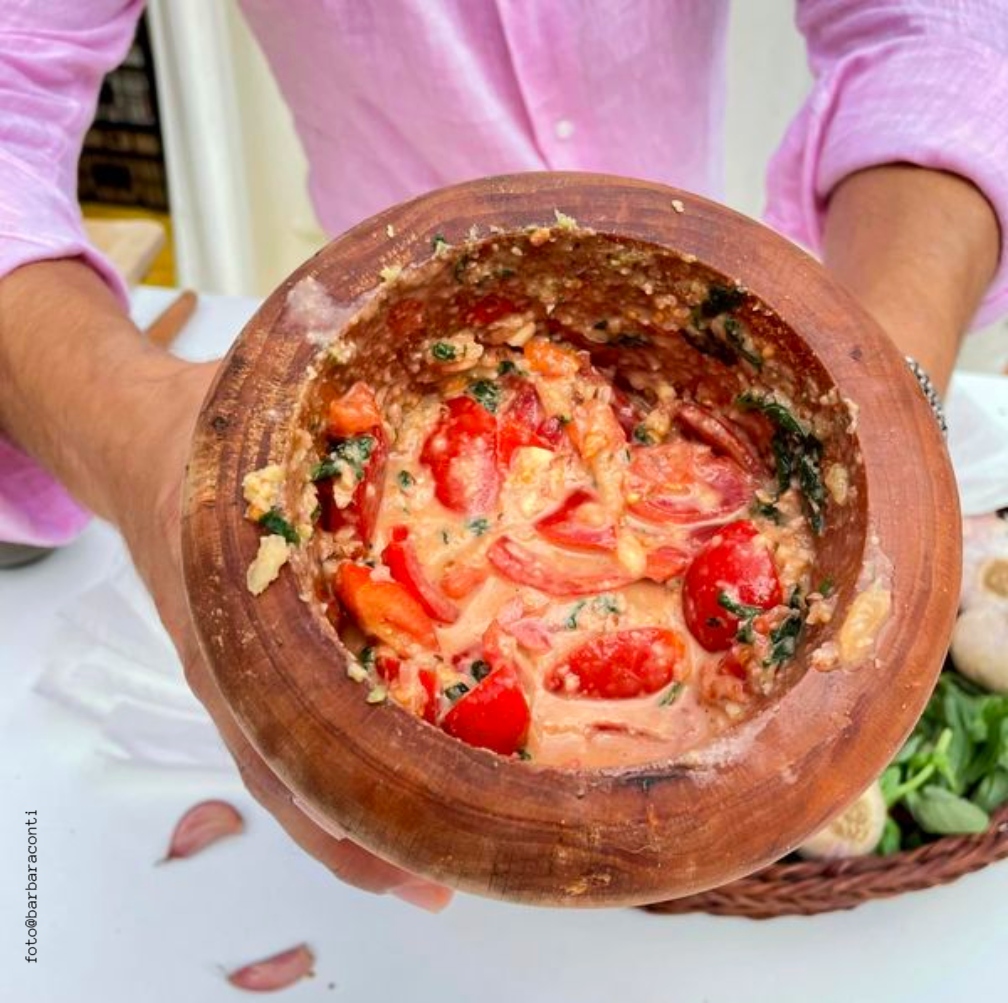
[{"x": 809, "y": 887}]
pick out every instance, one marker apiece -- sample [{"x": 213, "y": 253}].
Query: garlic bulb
[
  {"x": 980, "y": 645},
  {"x": 980, "y": 637},
  {"x": 853, "y": 833}
]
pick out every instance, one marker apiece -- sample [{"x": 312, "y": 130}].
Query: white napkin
[
  {"x": 977, "y": 411},
  {"x": 112, "y": 661}
]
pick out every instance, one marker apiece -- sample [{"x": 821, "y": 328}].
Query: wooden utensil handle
[{"x": 163, "y": 331}]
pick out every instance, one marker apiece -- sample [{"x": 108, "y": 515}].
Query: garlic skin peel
[{"x": 854, "y": 833}]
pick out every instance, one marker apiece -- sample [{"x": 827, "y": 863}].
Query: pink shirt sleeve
[
  {"x": 53, "y": 56},
  {"x": 918, "y": 81}
]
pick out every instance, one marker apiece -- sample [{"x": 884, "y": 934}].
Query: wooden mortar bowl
[{"x": 501, "y": 827}]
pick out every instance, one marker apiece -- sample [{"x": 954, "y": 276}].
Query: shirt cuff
[{"x": 939, "y": 105}]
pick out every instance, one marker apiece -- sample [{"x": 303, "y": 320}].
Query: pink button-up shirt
[{"x": 395, "y": 97}]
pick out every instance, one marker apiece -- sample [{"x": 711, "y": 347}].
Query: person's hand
[{"x": 146, "y": 507}]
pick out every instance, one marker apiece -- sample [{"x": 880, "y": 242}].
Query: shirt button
[{"x": 564, "y": 128}]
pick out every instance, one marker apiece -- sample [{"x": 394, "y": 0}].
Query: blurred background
[{"x": 192, "y": 134}]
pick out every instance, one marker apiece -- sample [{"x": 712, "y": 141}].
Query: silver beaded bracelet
[{"x": 930, "y": 394}]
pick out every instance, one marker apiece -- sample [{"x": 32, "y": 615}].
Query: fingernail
[{"x": 427, "y": 896}]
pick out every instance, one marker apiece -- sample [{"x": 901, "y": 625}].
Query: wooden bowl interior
[{"x": 606, "y": 837}]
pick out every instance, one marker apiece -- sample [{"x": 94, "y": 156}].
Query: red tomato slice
[
  {"x": 579, "y": 522},
  {"x": 628, "y": 663},
  {"x": 717, "y": 433},
  {"x": 494, "y": 715},
  {"x": 354, "y": 413},
  {"x": 684, "y": 482},
  {"x": 384, "y": 610},
  {"x": 666, "y": 562},
  {"x": 362, "y": 512},
  {"x": 552, "y": 574},
  {"x": 522, "y": 422},
  {"x": 626, "y": 413},
  {"x": 428, "y": 680},
  {"x": 738, "y": 563},
  {"x": 461, "y": 452},
  {"x": 401, "y": 559},
  {"x": 461, "y": 579}
]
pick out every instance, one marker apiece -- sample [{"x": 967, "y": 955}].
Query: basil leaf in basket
[
  {"x": 992, "y": 791},
  {"x": 939, "y": 811}
]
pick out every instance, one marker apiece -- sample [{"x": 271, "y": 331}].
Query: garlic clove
[
  {"x": 853, "y": 833},
  {"x": 979, "y": 646},
  {"x": 202, "y": 825},
  {"x": 276, "y": 972}
]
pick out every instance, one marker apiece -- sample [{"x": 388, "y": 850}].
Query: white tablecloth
[{"x": 112, "y": 927}]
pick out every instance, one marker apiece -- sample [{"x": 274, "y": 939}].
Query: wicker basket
[{"x": 809, "y": 887}]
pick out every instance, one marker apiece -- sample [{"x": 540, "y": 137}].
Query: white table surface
[{"x": 113, "y": 927}]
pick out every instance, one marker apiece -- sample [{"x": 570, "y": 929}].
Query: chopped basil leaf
[
  {"x": 784, "y": 637},
  {"x": 316, "y": 513},
  {"x": 443, "y": 352},
  {"x": 505, "y": 367},
  {"x": 453, "y": 693},
  {"x": 406, "y": 479},
  {"x": 826, "y": 588},
  {"x": 642, "y": 435},
  {"x": 438, "y": 243},
  {"x": 478, "y": 526},
  {"x": 487, "y": 393},
  {"x": 524, "y": 754},
  {"x": 274, "y": 522},
  {"x": 480, "y": 669},
  {"x": 670, "y": 695},
  {"x": 797, "y": 452},
  {"x": 606, "y": 604},
  {"x": 353, "y": 453},
  {"x": 736, "y": 334},
  {"x": 721, "y": 299},
  {"x": 367, "y": 657},
  {"x": 571, "y": 622},
  {"x": 736, "y": 608},
  {"x": 777, "y": 412},
  {"x": 766, "y": 509}
]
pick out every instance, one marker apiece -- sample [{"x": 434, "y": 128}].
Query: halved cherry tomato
[
  {"x": 522, "y": 422},
  {"x": 461, "y": 452},
  {"x": 461, "y": 579},
  {"x": 717, "y": 433},
  {"x": 684, "y": 482},
  {"x": 362, "y": 512},
  {"x": 494, "y": 715},
  {"x": 384, "y": 610},
  {"x": 628, "y": 663},
  {"x": 736, "y": 563},
  {"x": 388, "y": 667},
  {"x": 555, "y": 575},
  {"x": 401, "y": 559},
  {"x": 579, "y": 522},
  {"x": 354, "y": 413}
]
